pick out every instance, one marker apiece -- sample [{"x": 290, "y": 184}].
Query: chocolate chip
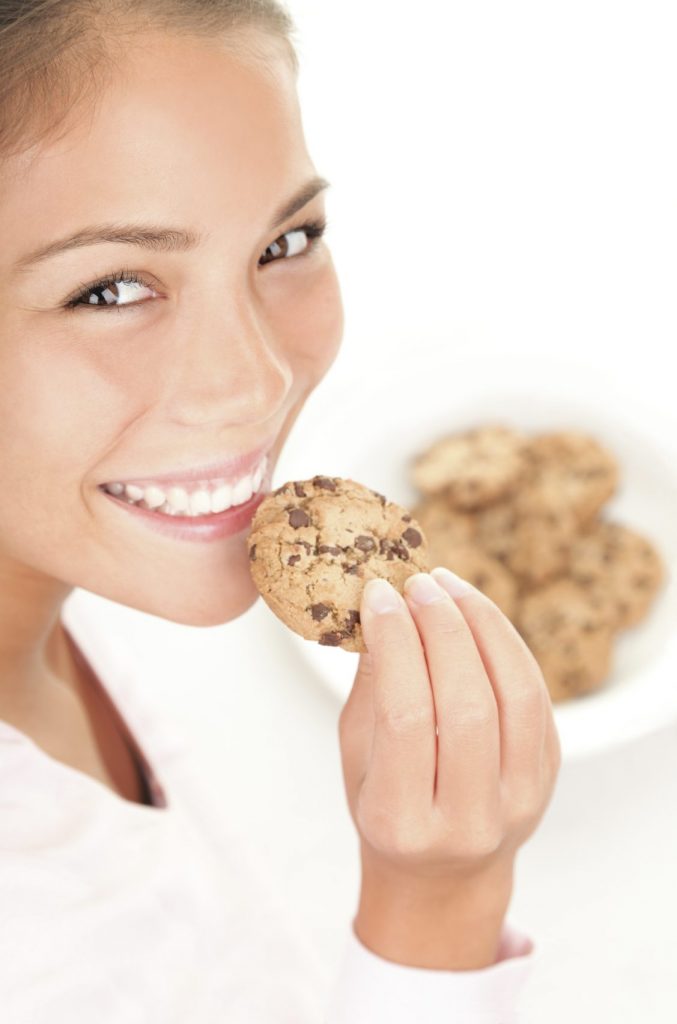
[
  {"x": 352, "y": 618},
  {"x": 328, "y": 549},
  {"x": 333, "y": 639},
  {"x": 412, "y": 537},
  {"x": 299, "y": 492},
  {"x": 364, "y": 543},
  {"x": 293, "y": 559},
  {"x": 354, "y": 569},
  {"x": 406, "y": 519},
  {"x": 325, "y": 482},
  {"x": 252, "y": 553},
  {"x": 391, "y": 548},
  {"x": 575, "y": 678},
  {"x": 319, "y": 611},
  {"x": 297, "y": 517},
  {"x": 307, "y": 546}
]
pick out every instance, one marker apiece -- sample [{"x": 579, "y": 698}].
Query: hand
[{"x": 440, "y": 817}]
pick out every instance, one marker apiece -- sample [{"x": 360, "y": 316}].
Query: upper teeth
[{"x": 197, "y": 499}]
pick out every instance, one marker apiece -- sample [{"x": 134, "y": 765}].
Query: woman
[{"x": 167, "y": 305}]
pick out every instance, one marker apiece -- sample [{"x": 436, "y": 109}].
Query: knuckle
[
  {"x": 476, "y": 714},
  {"x": 477, "y": 844},
  {"x": 450, "y": 626},
  {"x": 391, "y": 833},
  {"x": 407, "y": 840},
  {"x": 471, "y": 840},
  {"x": 526, "y": 811},
  {"x": 406, "y": 718},
  {"x": 484, "y": 840},
  {"x": 526, "y": 697}
]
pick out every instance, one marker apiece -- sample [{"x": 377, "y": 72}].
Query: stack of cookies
[{"x": 520, "y": 517}]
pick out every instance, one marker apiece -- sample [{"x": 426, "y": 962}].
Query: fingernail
[
  {"x": 423, "y": 589},
  {"x": 453, "y": 584},
  {"x": 381, "y": 596}
]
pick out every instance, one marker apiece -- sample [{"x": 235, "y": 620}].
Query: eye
[
  {"x": 292, "y": 242},
  {"x": 102, "y": 293},
  {"x": 121, "y": 285}
]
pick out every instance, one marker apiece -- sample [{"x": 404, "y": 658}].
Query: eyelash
[{"x": 314, "y": 229}]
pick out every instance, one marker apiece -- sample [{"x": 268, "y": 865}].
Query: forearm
[{"x": 430, "y": 924}]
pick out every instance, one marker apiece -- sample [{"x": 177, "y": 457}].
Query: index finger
[
  {"x": 401, "y": 772},
  {"x": 468, "y": 757}
]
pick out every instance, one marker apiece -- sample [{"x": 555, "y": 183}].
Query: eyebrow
[{"x": 159, "y": 239}]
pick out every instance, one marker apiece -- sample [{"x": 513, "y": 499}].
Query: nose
[{"x": 227, "y": 369}]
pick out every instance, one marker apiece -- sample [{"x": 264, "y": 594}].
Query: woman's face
[{"x": 209, "y": 356}]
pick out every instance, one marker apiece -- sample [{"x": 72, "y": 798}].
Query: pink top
[{"x": 122, "y": 913}]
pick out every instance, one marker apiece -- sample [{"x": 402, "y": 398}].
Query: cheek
[
  {"x": 53, "y": 417},
  {"x": 311, "y": 323},
  {"x": 50, "y": 413}
]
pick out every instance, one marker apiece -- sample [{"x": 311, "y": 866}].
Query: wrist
[{"x": 451, "y": 923}]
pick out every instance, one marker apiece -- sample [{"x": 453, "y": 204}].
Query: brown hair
[{"x": 55, "y": 54}]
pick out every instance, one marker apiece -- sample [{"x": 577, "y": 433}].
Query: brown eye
[
  {"x": 293, "y": 243},
  {"x": 102, "y": 294}
]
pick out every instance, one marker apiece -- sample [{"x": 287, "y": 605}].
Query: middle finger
[{"x": 468, "y": 758}]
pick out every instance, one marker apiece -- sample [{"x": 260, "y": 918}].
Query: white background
[{"x": 503, "y": 181}]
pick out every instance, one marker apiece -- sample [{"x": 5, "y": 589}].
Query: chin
[
  {"x": 210, "y": 611},
  {"x": 189, "y": 606}
]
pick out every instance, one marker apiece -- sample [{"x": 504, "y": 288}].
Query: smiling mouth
[{"x": 203, "y": 498}]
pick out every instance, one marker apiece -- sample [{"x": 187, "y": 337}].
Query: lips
[{"x": 199, "y": 528}]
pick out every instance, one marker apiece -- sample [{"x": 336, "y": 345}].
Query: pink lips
[
  {"x": 198, "y": 528},
  {"x": 228, "y": 469}
]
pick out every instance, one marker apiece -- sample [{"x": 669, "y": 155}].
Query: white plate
[{"x": 400, "y": 417}]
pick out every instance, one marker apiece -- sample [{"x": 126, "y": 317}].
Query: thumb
[
  {"x": 357, "y": 715},
  {"x": 356, "y": 721},
  {"x": 360, "y": 697}
]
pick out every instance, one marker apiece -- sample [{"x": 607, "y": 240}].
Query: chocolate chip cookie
[
  {"x": 438, "y": 516},
  {"x": 471, "y": 563},
  {"x": 313, "y": 545},
  {"x": 570, "y": 469},
  {"x": 473, "y": 467},
  {"x": 621, "y": 566},
  {"x": 570, "y": 632},
  {"x": 533, "y": 542}
]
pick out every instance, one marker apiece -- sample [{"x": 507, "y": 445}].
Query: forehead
[{"x": 181, "y": 125}]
